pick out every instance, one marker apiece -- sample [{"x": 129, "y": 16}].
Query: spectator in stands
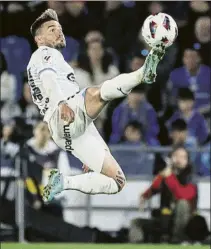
[
  {"x": 98, "y": 64},
  {"x": 175, "y": 184},
  {"x": 8, "y": 149},
  {"x": 30, "y": 111},
  {"x": 133, "y": 134},
  {"x": 8, "y": 82},
  {"x": 179, "y": 134},
  {"x": 198, "y": 9},
  {"x": 9, "y": 109},
  {"x": 202, "y": 33},
  {"x": 121, "y": 28},
  {"x": 135, "y": 108},
  {"x": 196, "y": 123},
  {"x": 136, "y": 62},
  {"x": 93, "y": 35},
  {"x": 42, "y": 154},
  {"x": 82, "y": 20},
  {"x": 81, "y": 74},
  {"x": 193, "y": 75},
  {"x": 59, "y": 7}
]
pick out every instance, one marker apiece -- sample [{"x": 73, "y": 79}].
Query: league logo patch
[{"x": 46, "y": 58}]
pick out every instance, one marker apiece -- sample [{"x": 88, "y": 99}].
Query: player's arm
[
  {"x": 47, "y": 67},
  {"x": 49, "y": 80}
]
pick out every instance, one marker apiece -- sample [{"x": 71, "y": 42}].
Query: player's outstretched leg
[
  {"x": 121, "y": 85},
  {"x": 111, "y": 180}
]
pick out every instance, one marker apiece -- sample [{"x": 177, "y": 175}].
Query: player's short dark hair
[
  {"x": 48, "y": 15},
  {"x": 179, "y": 125},
  {"x": 185, "y": 94}
]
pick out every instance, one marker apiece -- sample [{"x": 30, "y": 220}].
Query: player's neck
[{"x": 50, "y": 46}]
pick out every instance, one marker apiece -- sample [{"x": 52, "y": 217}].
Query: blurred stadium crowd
[{"x": 103, "y": 40}]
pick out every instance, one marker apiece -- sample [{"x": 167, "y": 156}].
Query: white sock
[
  {"x": 121, "y": 85},
  {"x": 91, "y": 183}
]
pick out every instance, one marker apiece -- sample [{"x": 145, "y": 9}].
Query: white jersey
[{"x": 46, "y": 58}]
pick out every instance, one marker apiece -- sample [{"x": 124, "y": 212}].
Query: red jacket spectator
[{"x": 174, "y": 182}]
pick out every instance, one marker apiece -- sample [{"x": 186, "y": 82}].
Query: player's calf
[{"x": 112, "y": 169}]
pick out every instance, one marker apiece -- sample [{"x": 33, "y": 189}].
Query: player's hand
[
  {"x": 67, "y": 114},
  {"x": 85, "y": 168}
]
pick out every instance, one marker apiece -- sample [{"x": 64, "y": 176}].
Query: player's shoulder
[
  {"x": 44, "y": 54},
  {"x": 44, "y": 50}
]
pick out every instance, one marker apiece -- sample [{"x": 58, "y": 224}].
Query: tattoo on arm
[{"x": 120, "y": 179}]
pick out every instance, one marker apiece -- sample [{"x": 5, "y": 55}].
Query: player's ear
[{"x": 38, "y": 39}]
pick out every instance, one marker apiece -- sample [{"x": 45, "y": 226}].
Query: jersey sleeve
[{"x": 47, "y": 59}]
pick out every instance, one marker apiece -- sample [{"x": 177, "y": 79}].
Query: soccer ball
[{"x": 159, "y": 30}]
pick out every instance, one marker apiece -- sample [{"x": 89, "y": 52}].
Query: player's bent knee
[
  {"x": 112, "y": 169},
  {"x": 93, "y": 92},
  {"x": 93, "y": 102}
]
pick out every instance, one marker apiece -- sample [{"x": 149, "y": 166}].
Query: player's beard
[{"x": 60, "y": 46}]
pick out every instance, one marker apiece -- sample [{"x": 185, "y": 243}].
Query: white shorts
[{"x": 81, "y": 137}]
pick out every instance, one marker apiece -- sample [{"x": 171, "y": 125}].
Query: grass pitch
[{"x": 95, "y": 246}]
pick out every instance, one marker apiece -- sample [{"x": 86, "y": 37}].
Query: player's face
[{"x": 51, "y": 35}]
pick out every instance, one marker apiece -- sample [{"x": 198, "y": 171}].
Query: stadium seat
[
  {"x": 70, "y": 52},
  {"x": 17, "y": 53},
  {"x": 134, "y": 163}
]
